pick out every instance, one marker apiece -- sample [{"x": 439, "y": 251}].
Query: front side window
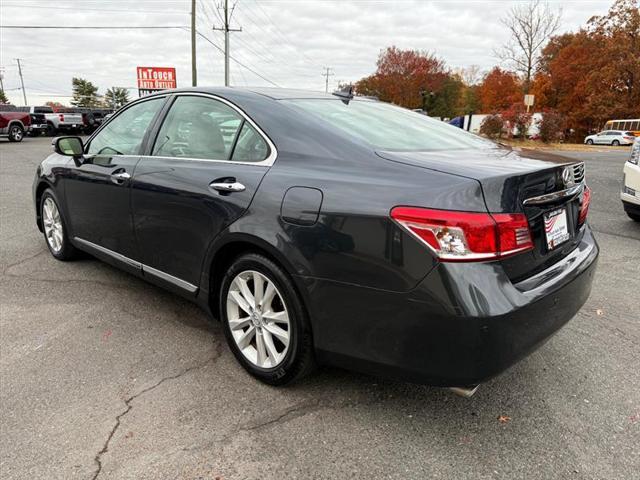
[
  {"x": 387, "y": 127},
  {"x": 124, "y": 134},
  {"x": 198, "y": 127}
]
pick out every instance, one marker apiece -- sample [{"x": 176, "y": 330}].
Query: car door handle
[
  {"x": 120, "y": 177},
  {"x": 227, "y": 187}
]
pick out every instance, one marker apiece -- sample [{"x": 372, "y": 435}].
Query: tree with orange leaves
[
  {"x": 403, "y": 77},
  {"x": 499, "y": 90}
]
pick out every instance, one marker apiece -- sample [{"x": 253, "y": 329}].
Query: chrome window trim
[
  {"x": 267, "y": 162},
  {"x": 189, "y": 287}
]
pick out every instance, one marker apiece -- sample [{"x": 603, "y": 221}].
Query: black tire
[
  {"x": 51, "y": 130},
  {"x": 615, "y": 143},
  {"x": 299, "y": 359},
  {"x": 67, "y": 250},
  {"x": 590, "y": 142},
  {"x": 634, "y": 216},
  {"x": 16, "y": 133}
]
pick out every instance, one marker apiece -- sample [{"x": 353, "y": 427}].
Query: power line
[
  {"x": 83, "y": 9},
  {"x": 47, "y": 27},
  {"x": 237, "y": 61}
]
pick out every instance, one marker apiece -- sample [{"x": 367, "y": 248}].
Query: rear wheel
[
  {"x": 54, "y": 229},
  {"x": 634, "y": 216},
  {"x": 16, "y": 133},
  {"x": 615, "y": 143},
  {"x": 51, "y": 130},
  {"x": 265, "y": 322}
]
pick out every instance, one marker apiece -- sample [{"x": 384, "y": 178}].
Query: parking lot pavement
[{"x": 103, "y": 375}]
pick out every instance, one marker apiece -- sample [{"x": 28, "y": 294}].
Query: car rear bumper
[{"x": 464, "y": 323}]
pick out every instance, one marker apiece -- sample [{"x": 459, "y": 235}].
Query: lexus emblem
[{"x": 567, "y": 177}]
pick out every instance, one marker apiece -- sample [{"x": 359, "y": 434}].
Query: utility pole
[
  {"x": 2, "y": 78},
  {"x": 24, "y": 94},
  {"x": 194, "y": 71},
  {"x": 327, "y": 74},
  {"x": 226, "y": 30}
]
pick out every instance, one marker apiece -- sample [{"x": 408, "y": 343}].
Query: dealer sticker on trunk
[{"x": 556, "y": 228}]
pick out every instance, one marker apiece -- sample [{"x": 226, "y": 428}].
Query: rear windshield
[
  {"x": 387, "y": 127},
  {"x": 42, "y": 110}
]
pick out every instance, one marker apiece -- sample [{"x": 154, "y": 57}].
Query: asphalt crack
[{"x": 128, "y": 403}]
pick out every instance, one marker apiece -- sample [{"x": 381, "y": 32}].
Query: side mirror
[{"x": 68, "y": 146}]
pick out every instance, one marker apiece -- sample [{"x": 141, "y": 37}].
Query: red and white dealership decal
[{"x": 156, "y": 78}]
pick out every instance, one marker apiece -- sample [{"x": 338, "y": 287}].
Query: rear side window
[
  {"x": 250, "y": 146},
  {"x": 198, "y": 127}
]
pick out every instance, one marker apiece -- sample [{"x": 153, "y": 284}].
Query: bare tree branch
[{"x": 530, "y": 25}]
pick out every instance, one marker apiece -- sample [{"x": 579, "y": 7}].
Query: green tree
[
  {"x": 445, "y": 102},
  {"x": 85, "y": 93},
  {"x": 116, "y": 97},
  {"x": 3, "y": 97}
]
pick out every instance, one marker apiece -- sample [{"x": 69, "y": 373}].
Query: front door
[
  {"x": 200, "y": 175},
  {"x": 97, "y": 191}
]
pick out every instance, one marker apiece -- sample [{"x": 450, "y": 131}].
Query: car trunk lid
[{"x": 535, "y": 183}]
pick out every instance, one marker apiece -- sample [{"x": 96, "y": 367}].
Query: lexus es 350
[{"x": 329, "y": 229}]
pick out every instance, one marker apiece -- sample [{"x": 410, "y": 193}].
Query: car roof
[{"x": 272, "y": 93}]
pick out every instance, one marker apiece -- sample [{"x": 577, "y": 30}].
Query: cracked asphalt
[{"x": 105, "y": 376}]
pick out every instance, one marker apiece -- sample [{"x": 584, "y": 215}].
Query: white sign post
[{"x": 528, "y": 101}]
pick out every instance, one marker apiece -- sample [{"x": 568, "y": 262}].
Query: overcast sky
[{"x": 286, "y": 42}]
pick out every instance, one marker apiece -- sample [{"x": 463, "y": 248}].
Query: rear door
[{"x": 199, "y": 175}]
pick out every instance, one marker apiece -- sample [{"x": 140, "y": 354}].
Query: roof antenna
[{"x": 345, "y": 94}]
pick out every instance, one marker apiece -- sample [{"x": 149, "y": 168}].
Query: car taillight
[
  {"x": 584, "y": 206},
  {"x": 61, "y": 117},
  {"x": 466, "y": 236}
]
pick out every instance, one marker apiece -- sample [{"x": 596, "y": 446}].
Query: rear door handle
[
  {"x": 120, "y": 177},
  {"x": 227, "y": 187}
]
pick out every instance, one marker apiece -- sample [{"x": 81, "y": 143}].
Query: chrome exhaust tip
[{"x": 465, "y": 392}]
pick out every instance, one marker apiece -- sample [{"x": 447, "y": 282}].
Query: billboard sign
[{"x": 153, "y": 79}]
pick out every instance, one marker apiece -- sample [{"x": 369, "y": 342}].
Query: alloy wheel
[
  {"x": 258, "y": 319},
  {"x": 53, "y": 229},
  {"x": 16, "y": 133}
]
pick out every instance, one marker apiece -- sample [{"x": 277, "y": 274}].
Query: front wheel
[
  {"x": 265, "y": 322},
  {"x": 54, "y": 229},
  {"x": 634, "y": 216},
  {"x": 615, "y": 143},
  {"x": 16, "y": 133},
  {"x": 590, "y": 142}
]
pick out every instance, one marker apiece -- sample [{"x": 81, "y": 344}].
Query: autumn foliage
[
  {"x": 585, "y": 78},
  {"x": 499, "y": 90},
  {"x": 403, "y": 76}
]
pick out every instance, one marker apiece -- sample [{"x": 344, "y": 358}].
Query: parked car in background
[
  {"x": 57, "y": 122},
  {"x": 14, "y": 125},
  {"x": 630, "y": 194},
  {"x": 330, "y": 229},
  {"x": 611, "y": 137}
]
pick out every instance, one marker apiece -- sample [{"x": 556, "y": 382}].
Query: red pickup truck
[{"x": 14, "y": 125}]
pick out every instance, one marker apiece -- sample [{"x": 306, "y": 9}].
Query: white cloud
[{"x": 287, "y": 42}]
